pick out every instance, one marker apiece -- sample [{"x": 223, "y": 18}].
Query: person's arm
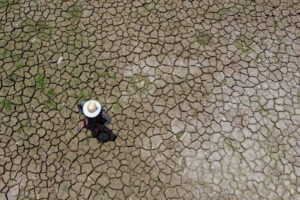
[
  {"x": 106, "y": 117},
  {"x": 80, "y": 106},
  {"x": 82, "y": 126}
]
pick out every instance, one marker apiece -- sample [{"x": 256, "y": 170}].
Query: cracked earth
[{"x": 204, "y": 98}]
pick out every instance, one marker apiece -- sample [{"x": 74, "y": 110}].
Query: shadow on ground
[{"x": 105, "y": 135}]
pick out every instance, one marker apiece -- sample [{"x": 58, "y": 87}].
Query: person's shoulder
[{"x": 103, "y": 111}]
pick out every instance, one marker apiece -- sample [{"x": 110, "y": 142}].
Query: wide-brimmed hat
[{"x": 91, "y": 108}]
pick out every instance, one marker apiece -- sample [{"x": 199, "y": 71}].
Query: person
[{"x": 95, "y": 116}]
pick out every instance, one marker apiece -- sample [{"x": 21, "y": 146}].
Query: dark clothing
[
  {"x": 93, "y": 124},
  {"x": 103, "y": 119}
]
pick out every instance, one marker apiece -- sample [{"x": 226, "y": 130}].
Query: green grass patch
[
  {"x": 25, "y": 123},
  {"x": 6, "y": 105},
  {"x": 75, "y": 81},
  {"x": 7, "y": 54},
  {"x": 19, "y": 64},
  {"x": 4, "y": 54},
  {"x": 75, "y": 11},
  {"x": 16, "y": 56},
  {"x": 45, "y": 35},
  {"x": 85, "y": 95},
  {"x": 243, "y": 44},
  {"x": 8, "y": 3},
  {"x": 111, "y": 77},
  {"x": 224, "y": 11},
  {"x": 65, "y": 188},
  {"x": 12, "y": 76},
  {"x": 143, "y": 13},
  {"x": 51, "y": 104},
  {"x": 50, "y": 93},
  {"x": 40, "y": 81},
  {"x": 204, "y": 38},
  {"x": 30, "y": 25}
]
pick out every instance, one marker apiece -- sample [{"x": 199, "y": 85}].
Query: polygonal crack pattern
[{"x": 204, "y": 97}]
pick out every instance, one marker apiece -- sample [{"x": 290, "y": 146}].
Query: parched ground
[{"x": 204, "y": 97}]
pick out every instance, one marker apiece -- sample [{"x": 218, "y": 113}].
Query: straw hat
[{"x": 91, "y": 108}]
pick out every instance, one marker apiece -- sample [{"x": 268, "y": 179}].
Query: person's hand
[{"x": 78, "y": 129}]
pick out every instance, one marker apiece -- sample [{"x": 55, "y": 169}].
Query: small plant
[
  {"x": 65, "y": 187},
  {"x": 113, "y": 76},
  {"x": 75, "y": 81},
  {"x": 4, "y": 53},
  {"x": 224, "y": 11},
  {"x": 25, "y": 123},
  {"x": 51, "y": 104},
  {"x": 144, "y": 13},
  {"x": 258, "y": 108},
  {"x": 15, "y": 56},
  {"x": 76, "y": 51},
  {"x": 203, "y": 38},
  {"x": 46, "y": 35},
  {"x": 30, "y": 25},
  {"x": 117, "y": 18},
  {"x": 19, "y": 64},
  {"x": 243, "y": 45},
  {"x": 82, "y": 93},
  {"x": 51, "y": 95},
  {"x": 280, "y": 38},
  {"x": 75, "y": 11},
  {"x": 85, "y": 96},
  {"x": 6, "y": 104},
  {"x": 261, "y": 108},
  {"x": 158, "y": 178},
  {"x": 12, "y": 76},
  {"x": 41, "y": 82}
]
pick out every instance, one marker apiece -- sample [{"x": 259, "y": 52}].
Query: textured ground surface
[{"x": 204, "y": 96}]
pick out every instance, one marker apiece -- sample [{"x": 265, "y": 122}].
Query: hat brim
[{"x": 93, "y": 114}]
